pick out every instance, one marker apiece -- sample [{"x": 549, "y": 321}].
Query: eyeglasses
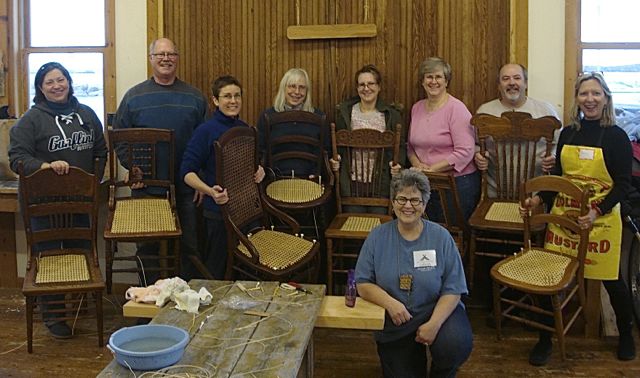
[
  {"x": 591, "y": 74},
  {"x": 403, "y": 201},
  {"x": 229, "y": 96},
  {"x": 370, "y": 84},
  {"x": 431, "y": 77},
  {"x": 294, "y": 87},
  {"x": 166, "y": 55}
]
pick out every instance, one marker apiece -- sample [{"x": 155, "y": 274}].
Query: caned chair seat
[
  {"x": 62, "y": 268},
  {"x": 360, "y": 224},
  {"x": 278, "y": 250},
  {"x": 294, "y": 190},
  {"x": 504, "y": 212},
  {"x": 536, "y": 267},
  {"x": 128, "y": 219}
]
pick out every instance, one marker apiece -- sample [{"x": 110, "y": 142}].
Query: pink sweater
[{"x": 445, "y": 134}]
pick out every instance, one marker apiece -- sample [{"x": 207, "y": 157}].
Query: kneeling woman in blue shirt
[
  {"x": 200, "y": 155},
  {"x": 412, "y": 268}
]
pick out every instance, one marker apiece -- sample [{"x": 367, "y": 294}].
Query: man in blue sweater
[{"x": 164, "y": 101}]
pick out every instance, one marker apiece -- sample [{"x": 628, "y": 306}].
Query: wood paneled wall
[{"x": 247, "y": 39}]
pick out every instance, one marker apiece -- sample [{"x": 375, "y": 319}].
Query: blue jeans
[
  {"x": 215, "y": 251},
  {"x": 468, "y": 193},
  {"x": 188, "y": 242},
  {"x": 406, "y": 358}
]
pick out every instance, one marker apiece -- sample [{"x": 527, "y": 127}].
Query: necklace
[{"x": 405, "y": 281}]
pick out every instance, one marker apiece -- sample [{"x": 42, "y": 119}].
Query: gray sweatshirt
[{"x": 42, "y": 135}]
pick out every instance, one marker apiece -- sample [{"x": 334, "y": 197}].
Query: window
[
  {"x": 610, "y": 42},
  {"x": 79, "y": 35}
]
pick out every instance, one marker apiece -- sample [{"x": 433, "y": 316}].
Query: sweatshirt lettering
[{"x": 79, "y": 141}]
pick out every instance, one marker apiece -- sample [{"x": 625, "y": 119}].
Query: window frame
[
  {"x": 21, "y": 18},
  {"x": 574, "y": 48}
]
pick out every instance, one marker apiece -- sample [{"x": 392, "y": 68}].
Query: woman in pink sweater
[{"x": 441, "y": 138}]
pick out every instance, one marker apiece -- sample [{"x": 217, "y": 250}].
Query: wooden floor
[{"x": 338, "y": 353}]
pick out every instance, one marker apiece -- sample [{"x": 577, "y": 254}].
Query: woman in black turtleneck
[
  {"x": 593, "y": 151},
  {"x": 57, "y": 132}
]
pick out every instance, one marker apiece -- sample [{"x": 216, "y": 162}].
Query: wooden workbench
[{"x": 226, "y": 341}]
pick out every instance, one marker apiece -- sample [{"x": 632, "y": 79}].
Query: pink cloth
[{"x": 445, "y": 134}]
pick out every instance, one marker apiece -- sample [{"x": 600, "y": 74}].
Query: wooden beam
[
  {"x": 519, "y": 31},
  {"x": 332, "y": 31}
]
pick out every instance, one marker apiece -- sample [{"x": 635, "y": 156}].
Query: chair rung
[
  {"x": 492, "y": 254},
  {"x": 136, "y": 270}
]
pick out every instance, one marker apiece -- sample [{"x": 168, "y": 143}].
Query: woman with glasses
[
  {"x": 368, "y": 111},
  {"x": 412, "y": 268},
  {"x": 593, "y": 151},
  {"x": 441, "y": 138},
  {"x": 200, "y": 156},
  {"x": 294, "y": 93}
]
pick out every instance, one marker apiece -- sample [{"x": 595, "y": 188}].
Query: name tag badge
[
  {"x": 586, "y": 154},
  {"x": 424, "y": 258}
]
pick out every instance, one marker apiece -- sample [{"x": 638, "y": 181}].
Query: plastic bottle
[{"x": 351, "y": 293}]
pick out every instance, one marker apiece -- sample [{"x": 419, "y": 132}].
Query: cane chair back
[
  {"x": 445, "y": 185},
  {"x": 512, "y": 141},
  {"x": 536, "y": 272},
  {"x": 60, "y": 214},
  {"x": 141, "y": 217},
  {"x": 256, "y": 250},
  {"x": 363, "y": 155}
]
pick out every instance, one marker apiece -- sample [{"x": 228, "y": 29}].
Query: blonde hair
[
  {"x": 289, "y": 77},
  {"x": 608, "y": 114}
]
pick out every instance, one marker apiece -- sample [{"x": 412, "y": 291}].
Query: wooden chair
[
  {"x": 297, "y": 138},
  {"x": 445, "y": 185},
  {"x": 60, "y": 214},
  {"x": 146, "y": 218},
  {"x": 256, "y": 250},
  {"x": 536, "y": 272},
  {"x": 363, "y": 153},
  {"x": 496, "y": 221}
]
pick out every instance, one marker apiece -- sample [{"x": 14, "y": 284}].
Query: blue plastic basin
[{"x": 148, "y": 347}]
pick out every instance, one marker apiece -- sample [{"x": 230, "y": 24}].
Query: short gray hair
[
  {"x": 408, "y": 178},
  {"x": 433, "y": 64}
]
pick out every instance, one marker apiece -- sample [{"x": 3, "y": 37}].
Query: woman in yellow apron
[{"x": 593, "y": 151}]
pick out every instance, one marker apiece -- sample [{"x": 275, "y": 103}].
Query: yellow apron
[{"x": 585, "y": 166}]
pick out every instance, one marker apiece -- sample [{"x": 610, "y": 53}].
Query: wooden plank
[
  {"x": 332, "y": 31},
  {"x": 279, "y": 341},
  {"x": 332, "y": 313},
  {"x": 364, "y": 315}
]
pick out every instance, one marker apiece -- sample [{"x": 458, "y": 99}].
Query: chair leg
[
  {"x": 329, "y": 266},
  {"x": 99, "y": 318},
  {"x": 472, "y": 260},
  {"x": 30, "y": 303},
  {"x": 556, "y": 303},
  {"x": 108, "y": 256},
  {"x": 497, "y": 310},
  {"x": 176, "y": 257}
]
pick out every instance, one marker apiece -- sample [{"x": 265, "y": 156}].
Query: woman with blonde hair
[
  {"x": 593, "y": 151},
  {"x": 294, "y": 93}
]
